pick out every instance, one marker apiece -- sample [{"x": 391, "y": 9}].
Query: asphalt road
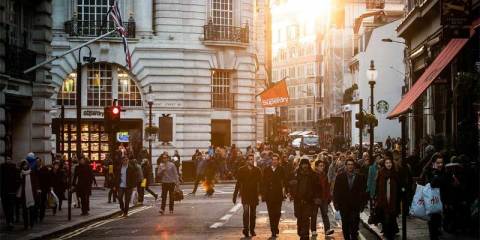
[{"x": 196, "y": 217}]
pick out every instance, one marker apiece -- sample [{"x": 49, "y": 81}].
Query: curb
[
  {"x": 70, "y": 226},
  {"x": 372, "y": 228}
]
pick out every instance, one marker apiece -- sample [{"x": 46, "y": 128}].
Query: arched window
[
  {"x": 68, "y": 92},
  {"x": 104, "y": 82}
]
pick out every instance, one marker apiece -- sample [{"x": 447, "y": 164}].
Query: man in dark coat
[
  {"x": 125, "y": 181},
  {"x": 248, "y": 184},
  {"x": 44, "y": 176},
  {"x": 349, "y": 197},
  {"x": 303, "y": 190},
  {"x": 82, "y": 180},
  {"x": 273, "y": 192},
  {"x": 9, "y": 183}
]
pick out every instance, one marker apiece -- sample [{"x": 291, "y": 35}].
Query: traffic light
[
  {"x": 359, "y": 117},
  {"x": 111, "y": 116},
  {"x": 115, "y": 113}
]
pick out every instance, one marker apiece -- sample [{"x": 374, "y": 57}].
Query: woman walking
[
  {"x": 59, "y": 183},
  {"x": 26, "y": 194},
  {"x": 387, "y": 204},
  {"x": 82, "y": 180}
]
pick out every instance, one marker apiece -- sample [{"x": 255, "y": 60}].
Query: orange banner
[{"x": 275, "y": 96}]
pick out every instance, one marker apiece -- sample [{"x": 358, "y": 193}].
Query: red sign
[{"x": 275, "y": 96}]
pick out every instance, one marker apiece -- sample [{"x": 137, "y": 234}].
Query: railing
[
  {"x": 223, "y": 100},
  {"x": 17, "y": 60},
  {"x": 96, "y": 28},
  {"x": 214, "y": 32},
  {"x": 411, "y": 4}
]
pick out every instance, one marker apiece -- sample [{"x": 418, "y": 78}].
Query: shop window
[
  {"x": 68, "y": 92},
  {"x": 99, "y": 90},
  {"x": 128, "y": 92}
]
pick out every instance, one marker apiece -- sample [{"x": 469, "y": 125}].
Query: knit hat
[{"x": 31, "y": 159}]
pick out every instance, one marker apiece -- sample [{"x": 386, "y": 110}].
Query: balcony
[
  {"x": 77, "y": 28},
  {"x": 220, "y": 35},
  {"x": 17, "y": 60},
  {"x": 223, "y": 101},
  {"x": 375, "y": 4}
]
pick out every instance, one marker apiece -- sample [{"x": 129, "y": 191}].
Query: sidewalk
[
  {"x": 416, "y": 229},
  {"x": 99, "y": 209}
]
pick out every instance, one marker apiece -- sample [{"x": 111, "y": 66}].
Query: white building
[
  {"x": 197, "y": 57},
  {"x": 388, "y": 59}
]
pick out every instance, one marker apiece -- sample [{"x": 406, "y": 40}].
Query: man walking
[
  {"x": 82, "y": 180},
  {"x": 169, "y": 178},
  {"x": 248, "y": 184},
  {"x": 304, "y": 193},
  {"x": 350, "y": 198},
  {"x": 126, "y": 180},
  {"x": 273, "y": 192},
  {"x": 322, "y": 200}
]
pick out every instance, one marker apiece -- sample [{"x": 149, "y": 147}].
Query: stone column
[
  {"x": 143, "y": 17},
  {"x": 42, "y": 87}
]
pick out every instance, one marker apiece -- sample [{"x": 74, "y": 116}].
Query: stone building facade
[
  {"x": 196, "y": 61},
  {"x": 25, "y": 36}
]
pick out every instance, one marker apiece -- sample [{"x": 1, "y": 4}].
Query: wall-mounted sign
[
  {"x": 92, "y": 114},
  {"x": 382, "y": 107},
  {"x": 122, "y": 137}
]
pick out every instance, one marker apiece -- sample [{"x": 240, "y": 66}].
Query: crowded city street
[{"x": 240, "y": 119}]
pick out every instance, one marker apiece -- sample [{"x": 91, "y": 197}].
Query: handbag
[
  {"x": 417, "y": 209},
  {"x": 134, "y": 197},
  {"x": 433, "y": 203},
  {"x": 144, "y": 183},
  {"x": 52, "y": 200},
  {"x": 178, "y": 194}
]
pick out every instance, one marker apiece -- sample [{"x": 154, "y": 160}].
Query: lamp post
[
  {"x": 372, "y": 77},
  {"x": 78, "y": 142},
  {"x": 150, "y": 104}
]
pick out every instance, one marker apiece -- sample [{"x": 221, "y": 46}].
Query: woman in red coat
[{"x": 387, "y": 204}]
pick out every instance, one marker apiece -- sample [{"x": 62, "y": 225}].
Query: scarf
[{"x": 29, "y": 200}]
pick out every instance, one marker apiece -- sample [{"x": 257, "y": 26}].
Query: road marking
[
  {"x": 224, "y": 219},
  {"x": 100, "y": 223}
]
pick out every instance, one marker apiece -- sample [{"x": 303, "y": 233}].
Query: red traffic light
[{"x": 115, "y": 110}]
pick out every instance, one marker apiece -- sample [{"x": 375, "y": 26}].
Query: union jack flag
[{"x": 114, "y": 13}]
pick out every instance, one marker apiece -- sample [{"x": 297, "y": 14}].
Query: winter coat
[
  {"x": 44, "y": 176},
  {"x": 372, "y": 180},
  {"x": 83, "y": 179},
  {"x": 392, "y": 206},
  {"x": 131, "y": 176},
  {"x": 248, "y": 185},
  {"x": 323, "y": 188},
  {"x": 273, "y": 184},
  {"x": 59, "y": 183},
  {"x": 168, "y": 173},
  {"x": 346, "y": 199},
  {"x": 307, "y": 195},
  {"x": 9, "y": 179}
]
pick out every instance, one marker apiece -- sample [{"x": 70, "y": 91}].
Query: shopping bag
[
  {"x": 52, "y": 200},
  {"x": 134, "y": 197},
  {"x": 433, "y": 203},
  {"x": 417, "y": 209},
  {"x": 178, "y": 194},
  {"x": 144, "y": 183}
]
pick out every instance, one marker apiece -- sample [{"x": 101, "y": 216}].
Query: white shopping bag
[
  {"x": 134, "y": 198},
  {"x": 433, "y": 203},
  {"x": 417, "y": 209}
]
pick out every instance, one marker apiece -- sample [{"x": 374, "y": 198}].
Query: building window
[
  {"x": 291, "y": 114},
  {"x": 99, "y": 88},
  {"x": 310, "y": 69},
  {"x": 128, "y": 93},
  {"x": 309, "y": 113},
  {"x": 92, "y": 16},
  {"x": 291, "y": 92},
  {"x": 221, "y": 96},
  {"x": 68, "y": 92},
  {"x": 300, "y": 71},
  {"x": 291, "y": 72},
  {"x": 222, "y": 12},
  {"x": 311, "y": 90},
  {"x": 301, "y": 114}
]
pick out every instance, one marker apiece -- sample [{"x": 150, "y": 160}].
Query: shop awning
[{"x": 430, "y": 74}]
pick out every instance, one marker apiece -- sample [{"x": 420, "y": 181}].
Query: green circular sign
[{"x": 382, "y": 106}]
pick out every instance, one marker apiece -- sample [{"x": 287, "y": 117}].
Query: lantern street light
[
  {"x": 372, "y": 77},
  {"x": 150, "y": 100}
]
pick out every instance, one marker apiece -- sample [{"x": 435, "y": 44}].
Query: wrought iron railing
[
  {"x": 223, "y": 100},
  {"x": 375, "y": 4},
  {"x": 17, "y": 60},
  {"x": 234, "y": 34},
  {"x": 96, "y": 28}
]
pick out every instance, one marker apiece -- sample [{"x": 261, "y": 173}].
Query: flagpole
[{"x": 69, "y": 51}]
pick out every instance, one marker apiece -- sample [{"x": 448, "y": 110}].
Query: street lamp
[
  {"x": 372, "y": 77},
  {"x": 150, "y": 100}
]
